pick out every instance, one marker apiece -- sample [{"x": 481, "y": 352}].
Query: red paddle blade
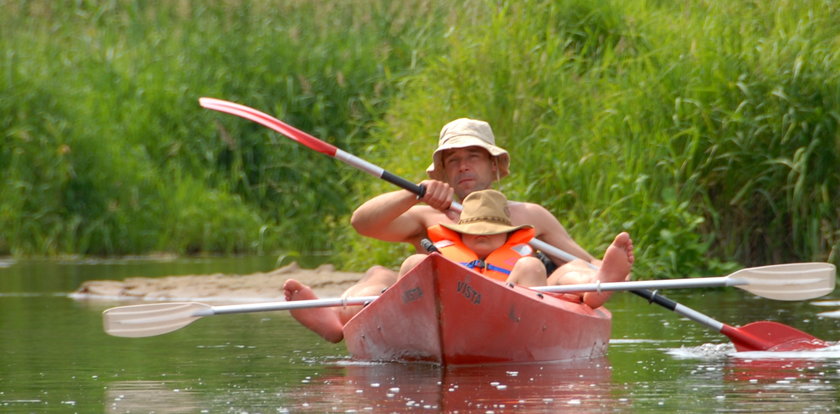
[
  {"x": 269, "y": 121},
  {"x": 771, "y": 336}
]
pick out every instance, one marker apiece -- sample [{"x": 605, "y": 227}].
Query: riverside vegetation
[{"x": 707, "y": 129}]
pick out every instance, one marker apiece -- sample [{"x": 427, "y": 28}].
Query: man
[{"x": 466, "y": 160}]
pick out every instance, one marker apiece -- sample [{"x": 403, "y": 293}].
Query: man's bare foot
[
  {"x": 616, "y": 266},
  {"x": 323, "y": 321}
]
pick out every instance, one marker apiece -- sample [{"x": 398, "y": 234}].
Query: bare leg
[
  {"x": 616, "y": 266},
  {"x": 329, "y": 322},
  {"x": 323, "y": 321},
  {"x": 528, "y": 271},
  {"x": 410, "y": 262},
  {"x": 375, "y": 280},
  {"x": 572, "y": 273}
]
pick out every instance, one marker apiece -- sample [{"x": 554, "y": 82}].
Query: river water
[{"x": 56, "y": 358}]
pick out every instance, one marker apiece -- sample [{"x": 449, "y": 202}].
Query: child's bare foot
[
  {"x": 616, "y": 266},
  {"x": 323, "y": 321}
]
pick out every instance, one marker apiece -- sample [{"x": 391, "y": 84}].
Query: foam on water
[
  {"x": 826, "y": 303},
  {"x": 722, "y": 351},
  {"x": 705, "y": 351},
  {"x": 831, "y": 352},
  {"x": 831, "y": 314},
  {"x": 615, "y": 341}
]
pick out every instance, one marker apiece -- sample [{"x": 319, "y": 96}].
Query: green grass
[{"x": 709, "y": 130}]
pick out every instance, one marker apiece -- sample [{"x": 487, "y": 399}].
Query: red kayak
[{"x": 444, "y": 313}]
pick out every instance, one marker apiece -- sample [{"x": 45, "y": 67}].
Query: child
[{"x": 485, "y": 240}]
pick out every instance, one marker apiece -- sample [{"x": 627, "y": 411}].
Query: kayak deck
[{"x": 444, "y": 313}]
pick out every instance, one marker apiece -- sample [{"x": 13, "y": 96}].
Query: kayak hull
[{"x": 444, "y": 313}]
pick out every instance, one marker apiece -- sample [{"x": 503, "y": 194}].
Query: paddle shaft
[
  {"x": 379, "y": 172},
  {"x": 743, "y": 340},
  {"x": 280, "y": 306},
  {"x": 655, "y": 297},
  {"x": 722, "y": 281}
]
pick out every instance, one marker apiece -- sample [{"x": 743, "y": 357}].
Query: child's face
[{"x": 483, "y": 245}]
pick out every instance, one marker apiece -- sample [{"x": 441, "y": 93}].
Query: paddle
[
  {"x": 738, "y": 335},
  {"x": 160, "y": 318},
  {"x": 136, "y": 321},
  {"x": 309, "y": 141},
  {"x": 794, "y": 281},
  {"x": 755, "y": 336}
]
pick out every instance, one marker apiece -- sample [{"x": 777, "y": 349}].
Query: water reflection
[
  {"x": 790, "y": 381},
  {"x": 791, "y": 385},
  {"x": 389, "y": 387},
  {"x": 149, "y": 396}
]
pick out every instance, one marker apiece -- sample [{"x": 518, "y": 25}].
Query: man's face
[{"x": 468, "y": 169}]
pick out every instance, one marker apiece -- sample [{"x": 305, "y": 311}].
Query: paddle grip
[
  {"x": 654, "y": 297},
  {"x": 428, "y": 245},
  {"x": 404, "y": 184}
]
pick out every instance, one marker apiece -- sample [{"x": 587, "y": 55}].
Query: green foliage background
[{"x": 708, "y": 129}]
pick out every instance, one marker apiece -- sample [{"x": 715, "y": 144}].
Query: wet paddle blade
[
  {"x": 771, "y": 336},
  {"x": 794, "y": 281},
  {"x": 139, "y": 321}
]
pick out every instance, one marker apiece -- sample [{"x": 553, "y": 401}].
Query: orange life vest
[{"x": 497, "y": 265}]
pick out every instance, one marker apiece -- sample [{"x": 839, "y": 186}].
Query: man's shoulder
[
  {"x": 529, "y": 213},
  {"x": 525, "y": 206}
]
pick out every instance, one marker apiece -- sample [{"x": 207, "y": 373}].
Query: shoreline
[{"x": 255, "y": 287}]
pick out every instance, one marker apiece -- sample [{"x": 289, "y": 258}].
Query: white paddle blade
[
  {"x": 137, "y": 321},
  {"x": 794, "y": 281}
]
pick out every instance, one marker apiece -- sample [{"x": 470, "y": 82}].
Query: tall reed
[
  {"x": 707, "y": 130},
  {"x": 105, "y": 150}
]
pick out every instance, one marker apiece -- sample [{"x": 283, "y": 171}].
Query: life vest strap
[
  {"x": 498, "y": 269},
  {"x": 481, "y": 264},
  {"x": 475, "y": 264}
]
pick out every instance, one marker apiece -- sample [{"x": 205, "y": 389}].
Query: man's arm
[
  {"x": 387, "y": 217},
  {"x": 396, "y": 217},
  {"x": 549, "y": 230}
]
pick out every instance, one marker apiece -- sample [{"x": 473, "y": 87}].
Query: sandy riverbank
[{"x": 325, "y": 280}]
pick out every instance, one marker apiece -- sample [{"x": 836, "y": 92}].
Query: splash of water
[{"x": 723, "y": 351}]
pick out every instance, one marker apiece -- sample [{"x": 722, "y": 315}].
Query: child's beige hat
[{"x": 485, "y": 213}]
